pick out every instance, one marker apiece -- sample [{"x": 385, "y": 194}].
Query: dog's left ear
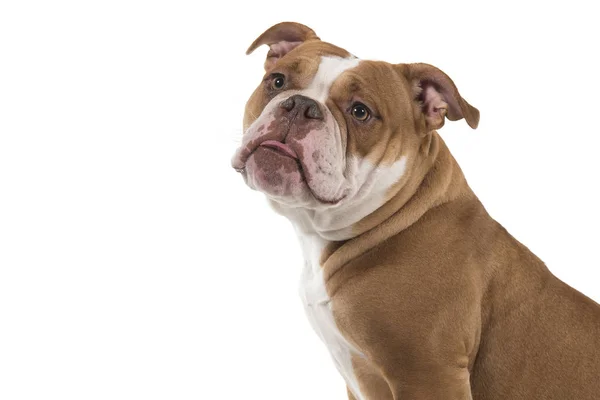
[
  {"x": 282, "y": 38},
  {"x": 437, "y": 96}
]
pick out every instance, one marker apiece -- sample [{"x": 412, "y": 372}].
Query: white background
[{"x": 135, "y": 263}]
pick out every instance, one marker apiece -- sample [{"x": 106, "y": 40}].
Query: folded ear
[
  {"x": 438, "y": 96},
  {"x": 282, "y": 38}
]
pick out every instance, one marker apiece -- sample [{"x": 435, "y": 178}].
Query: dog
[{"x": 415, "y": 290}]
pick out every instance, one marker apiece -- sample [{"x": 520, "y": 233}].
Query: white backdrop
[{"x": 134, "y": 262}]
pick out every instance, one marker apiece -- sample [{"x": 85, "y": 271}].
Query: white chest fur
[{"x": 317, "y": 305}]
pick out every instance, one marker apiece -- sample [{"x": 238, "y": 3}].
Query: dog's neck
[{"x": 437, "y": 180}]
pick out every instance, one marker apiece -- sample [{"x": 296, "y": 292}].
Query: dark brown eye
[
  {"x": 278, "y": 82},
  {"x": 360, "y": 112}
]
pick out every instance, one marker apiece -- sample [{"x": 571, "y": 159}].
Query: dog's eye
[
  {"x": 278, "y": 82},
  {"x": 360, "y": 112}
]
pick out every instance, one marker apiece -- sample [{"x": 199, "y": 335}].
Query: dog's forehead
[{"x": 317, "y": 64}]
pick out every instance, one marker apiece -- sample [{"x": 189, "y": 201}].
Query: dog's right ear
[{"x": 282, "y": 38}]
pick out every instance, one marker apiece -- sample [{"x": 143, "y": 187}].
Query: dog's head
[{"x": 333, "y": 137}]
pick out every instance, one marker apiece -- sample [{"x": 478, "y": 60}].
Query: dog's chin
[
  {"x": 277, "y": 175},
  {"x": 281, "y": 177}
]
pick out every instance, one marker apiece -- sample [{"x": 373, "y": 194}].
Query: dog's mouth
[
  {"x": 280, "y": 148},
  {"x": 289, "y": 157},
  {"x": 275, "y": 146}
]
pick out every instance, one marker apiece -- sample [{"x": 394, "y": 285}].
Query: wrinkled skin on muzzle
[{"x": 294, "y": 153}]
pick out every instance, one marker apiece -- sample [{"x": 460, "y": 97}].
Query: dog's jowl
[{"x": 415, "y": 290}]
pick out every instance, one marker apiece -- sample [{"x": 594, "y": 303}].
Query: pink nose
[{"x": 303, "y": 106}]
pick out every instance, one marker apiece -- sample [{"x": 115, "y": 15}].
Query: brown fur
[
  {"x": 451, "y": 303},
  {"x": 442, "y": 302}
]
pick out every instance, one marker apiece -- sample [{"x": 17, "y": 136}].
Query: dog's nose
[{"x": 305, "y": 106}]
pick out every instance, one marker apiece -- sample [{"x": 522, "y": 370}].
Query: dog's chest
[{"x": 317, "y": 305}]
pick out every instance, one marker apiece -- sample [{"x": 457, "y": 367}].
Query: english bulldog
[{"x": 415, "y": 290}]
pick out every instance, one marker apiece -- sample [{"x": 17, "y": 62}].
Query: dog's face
[{"x": 327, "y": 132}]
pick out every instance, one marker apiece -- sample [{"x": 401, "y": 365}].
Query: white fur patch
[
  {"x": 373, "y": 184},
  {"x": 370, "y": 185},
  {"x": 317, "y": 305},
  {"x": 329, "y": 70}
]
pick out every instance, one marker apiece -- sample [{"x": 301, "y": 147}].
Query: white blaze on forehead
[{"x": 329, "y": 71}]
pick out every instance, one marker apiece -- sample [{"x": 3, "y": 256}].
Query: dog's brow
[{"x": 354, "y": 86}]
